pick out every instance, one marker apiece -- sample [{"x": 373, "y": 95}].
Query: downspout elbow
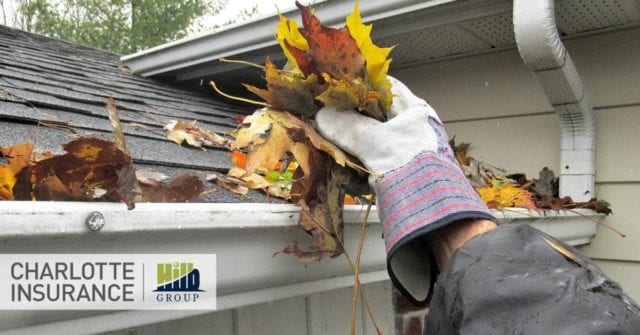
[{"x": 542, "y": 51}]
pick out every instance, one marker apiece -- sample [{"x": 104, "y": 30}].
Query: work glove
[{"x": 418, "y": 183}]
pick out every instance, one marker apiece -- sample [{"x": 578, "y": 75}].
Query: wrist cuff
[{"x": 425, "y": 194}]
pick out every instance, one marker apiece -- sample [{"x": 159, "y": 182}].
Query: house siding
[
  {"x": 326, "y": 313},
  {"x": 494, "y": 102}
]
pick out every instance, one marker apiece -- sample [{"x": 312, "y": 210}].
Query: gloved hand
[{"x": 419, "y": 186}]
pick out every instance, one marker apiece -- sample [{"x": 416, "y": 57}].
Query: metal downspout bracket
[{"x": 542, "y": 50}]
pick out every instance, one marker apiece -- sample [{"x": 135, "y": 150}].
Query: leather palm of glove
[{"x": 419, "y": 185}]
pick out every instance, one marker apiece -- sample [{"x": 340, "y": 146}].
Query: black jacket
[{"x": 512, "y": 280}]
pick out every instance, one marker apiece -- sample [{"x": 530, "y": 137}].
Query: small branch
[
  {"x": 598, "y": 222},
  {"x": 351, "y": 264},
  {"x": 254, "y": 102},
  {"x": 356, "y": 287},
  {"x": 254, "y": 65}
]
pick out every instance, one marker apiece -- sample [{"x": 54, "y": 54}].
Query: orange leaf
[{"x": 239, "y": 159}]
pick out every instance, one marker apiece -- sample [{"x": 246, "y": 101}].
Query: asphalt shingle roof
[{"x": 52, "y": 90}]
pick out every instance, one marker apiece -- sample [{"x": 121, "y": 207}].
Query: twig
[
  {"x": 259, "y": 103},
  {"x": 598, "y": 222},
  {"x": 356, "y": 285},
  {"x": 258, "y": 66},
  {"x": 361, "y": 168},
  {"x": 351, "y": 264},
  {"x": 154, "y": 118},
  {"x": 213, "y": 190}
]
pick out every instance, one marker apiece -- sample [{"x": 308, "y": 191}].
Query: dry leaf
[
  {"x": 331, "y": 50},
  {"x": 118, "y": 133},
  {"x": 266, "y": 134},
  {"x": 90, "y": 165},
  {"x": 502, "y": 194},
  {"x": 547, "y": 186},
  {"x": 276, "y": 188},
  {"x": 303, "y": 255},
  {"x": 234, "y": 185},
  {"x": 150, "y": 178},
  {"x": 184, "y": 188},
  {"x": 287, "y": 91},
  {"x": 181, "y": 131}
]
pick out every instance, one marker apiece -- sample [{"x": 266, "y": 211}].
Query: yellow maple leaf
[
  {"x": 287, "y": 29},
  {"x": 376, "y": 58},
  {"x": 503, "y": 194}
]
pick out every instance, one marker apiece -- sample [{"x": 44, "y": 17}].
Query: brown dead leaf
[
  {"x": 303, "y": 255},
  {"x": 118, "y": 133},
  {"x": 232, "y": 184},
  {"x": 288, "y": 91},
  {"x": 320, "y": 142},
  {"x": 151, "y": 178},
  {"x": 181, "y": 131},
  {"x": 184, "y": 188}
]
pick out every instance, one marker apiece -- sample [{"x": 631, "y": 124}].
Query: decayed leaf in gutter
[
  {"x": 547, "y": 184},
  {"x": 151, "y": 178},
  {"x": 181, "y": 131},
  {"x": 184, "y": 188}
]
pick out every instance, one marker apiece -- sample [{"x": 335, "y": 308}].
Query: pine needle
[{"x": 254, "y": 102}]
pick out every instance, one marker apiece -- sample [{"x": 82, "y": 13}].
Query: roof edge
[{"x": 255, "y": 35}]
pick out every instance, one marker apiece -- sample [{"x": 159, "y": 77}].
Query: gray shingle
[{"x": 52, "y": 91}]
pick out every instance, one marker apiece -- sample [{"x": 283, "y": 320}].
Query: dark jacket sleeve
[{"x": 512, "y": 281}]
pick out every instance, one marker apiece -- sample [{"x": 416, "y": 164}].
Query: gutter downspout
[{"x": 542, "y": 50}]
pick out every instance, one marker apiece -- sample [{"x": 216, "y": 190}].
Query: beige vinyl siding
[
  {"x": 326, "y": 313},
  {"x": 494, "y": 102}
]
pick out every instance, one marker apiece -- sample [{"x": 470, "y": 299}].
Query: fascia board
[{"x": 257, "y": 34}]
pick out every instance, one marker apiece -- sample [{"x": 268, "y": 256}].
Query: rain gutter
[
  {"x": 243, "y": 236},
  {"x": 542, "y": 50}
]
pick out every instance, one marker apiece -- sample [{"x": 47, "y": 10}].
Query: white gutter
[
  {"x": 257, "y": 35},
  {"x": 542, "y": 50},
  {"x": 244, "y": 237}
]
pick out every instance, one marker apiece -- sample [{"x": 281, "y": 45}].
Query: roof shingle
[{"x": 52, "y": 90}]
